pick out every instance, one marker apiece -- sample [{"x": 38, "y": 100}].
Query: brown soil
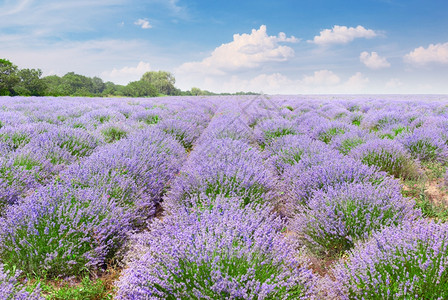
[{"x": 435, "y": 193}]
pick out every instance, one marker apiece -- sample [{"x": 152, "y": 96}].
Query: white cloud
[
  {"x": 17, "y": 8},
  {"x": 319, "y": 82},
  {"x": 356, "y": 83},
  {"x": 342, "y": 35},
  {"x": 322, "y": 77},
  {"x": 129, "y": 73},
  {"x": 394, "y": 83},
  {"x": 246, "y": 51},
  {"x": 435, "y": 53},
  {"x": 373, "y": 60},
  {"x": 143, "y": 23}
]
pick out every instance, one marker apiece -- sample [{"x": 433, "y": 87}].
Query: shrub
[
  {"x": 59, "y": 231},
  {"x": 289, "y": 150},
  {"x": 388, "y": 156},
  {"x": 326, "y": 131},
  {"x": 405, "y": 262},
  {"x": 113, "y": 133},
  {"x": 344, "y": 143},
  {"x": 226, "y": 167},
  {"x": 426, "y": 144},
  {"x": 22, "y": 171},
  {"x": 268, "y": 130},
  {"x": 133, "y": 171},
  {"x": 302, "y": 183},
  {"x": 183, "y": 131},
  {"x": 333, "y": 221},
  {"x": 222, "y": 253}
]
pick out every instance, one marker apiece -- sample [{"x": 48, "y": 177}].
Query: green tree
[
  {"x": 163, "y": 81},
  {"x": 31, "y": 83},
  {"x": 54, "y": 86},
  {"x": 77, "y": 85},
  {"x": 139, "y": 89},
  {"x": 8, "y": 77},
  {"x": 98, "y": 85}
]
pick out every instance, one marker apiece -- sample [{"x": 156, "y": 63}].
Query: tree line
[{"x": 29, "y": 82}]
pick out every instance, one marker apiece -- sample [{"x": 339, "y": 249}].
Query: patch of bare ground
[{"x": 435, "y": 193}]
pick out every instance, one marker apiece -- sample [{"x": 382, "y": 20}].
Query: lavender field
[{"x": 229, "y": 197}]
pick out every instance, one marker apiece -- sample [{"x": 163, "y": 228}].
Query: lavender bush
[
  {"x": 133, "y": 171},
  {"x": 271, "y": 129},
  {"x": 289, "y": 150},
  {"x": 59, "y": 231},
  {"x": 222, "y": 253},
  {"x": 333, "y": 221},
  {"x": 302, "y": 183},
  {"x": 389, "y": 156},
  {"x": 426, "y": 144},
  {"x": 405, "y": 262},
  {"x": 224, "y": 167}
]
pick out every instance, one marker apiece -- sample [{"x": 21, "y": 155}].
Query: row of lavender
[
  {"x": 82, "y": 213},
  {"x": 221, "y": 239}
]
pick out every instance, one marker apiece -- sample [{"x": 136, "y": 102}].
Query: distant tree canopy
[
  {"x": 29, "y": 82},
  {"x": 8, "y": 77},
  {"x": 163, "y": 81}
]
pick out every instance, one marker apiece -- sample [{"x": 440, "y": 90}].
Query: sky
[{"x": 273, "y": 47}]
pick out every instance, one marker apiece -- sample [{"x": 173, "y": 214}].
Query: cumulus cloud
[
  {"x": 127, "y": 73},
  {"x": 394, "y": 83},
  {"x": 322, "y": 77},
  {"x": 246, "y": 51},
  {"x": 435, "y": 53},
  {"x": 342, "y": 35},
  {"x": 143, "y": 23},
  {"x": 373, "y": 60},
  {"x": 356, "y": 83}
]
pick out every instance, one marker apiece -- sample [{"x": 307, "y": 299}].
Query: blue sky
[{"x": 286, "y": 47}]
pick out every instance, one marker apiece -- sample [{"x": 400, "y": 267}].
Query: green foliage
[
  {"x": 348, "y": 144},
  {"x": 326, "y": 136},
  {"x": 151, "y": 119},
  {"x": 139, "y": 88},
  {"x": 162, "y": 81},
  {"x": 87, "y": 289},
  {"x": 392, "y": 163},
  {"x": 8, "y": 77},
  {"x": 273, "y": 134},
  {"x": 112, "y": 134},
  {"x": 30, "y": 83},
  {"x": 15, "y": 140}
]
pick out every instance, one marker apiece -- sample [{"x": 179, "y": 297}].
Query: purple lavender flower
[
  {"x": 225, "y": 167},
  {"x": 334, "y": 220},
  {"x": 133, "y": 171},
  {"x": 302, "y": 182},
  {"x": 426, "y": 144},
  {"x": 344, "y": 143},
  {"x": 402, "y": 262},
  {"x": 59, "y": 231},
  {"x": 389, "y": 156},
  {"x": 224, "y": 252},
  {"x": 289, "y": 150},
  {"x": 271, "y": 129},
  {"x": 326, "y": 131}
]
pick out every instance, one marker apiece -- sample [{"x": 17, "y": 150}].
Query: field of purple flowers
[{"x": 254, "y": 197}]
